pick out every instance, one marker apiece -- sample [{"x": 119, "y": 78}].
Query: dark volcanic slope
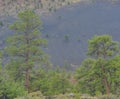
[
  {"x": 77, "y": 24},
  {"x": 69, "y": 28}
]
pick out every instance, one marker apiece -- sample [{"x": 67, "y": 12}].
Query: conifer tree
[{"x": 24, "y": 48}]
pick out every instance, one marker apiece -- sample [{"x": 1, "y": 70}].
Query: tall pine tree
[{"x": 24, "y": 48}]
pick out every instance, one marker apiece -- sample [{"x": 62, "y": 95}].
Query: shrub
[
  {"x": 1, "y": 23},
  {"x": 11, "y": 90}
]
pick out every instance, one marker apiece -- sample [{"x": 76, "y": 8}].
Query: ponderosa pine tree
[
  {"x": 103, "y": 47},
  {"x": 24, "y": 48},
  {"x": 96, "y": 75}
]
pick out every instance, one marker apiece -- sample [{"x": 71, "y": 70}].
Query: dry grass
[{"x": 38, "y": 95}]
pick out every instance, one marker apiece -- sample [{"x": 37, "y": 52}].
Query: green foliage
[
  {"x": 8, "y": 87},
  {"x": 113, "y": 68},
  {"x": 24, "y": 48},
  {"x": 85, "y": 77},
  {"x": 50, "y": 83},
  {"x": 11, "y": 89},
  {"x": 25, "y": 67},
  {"x": 66, "y": 38},
  {"x": 102, "y": 46},
  {"x": 59, "y": 84},
  {"x": 90, "y": 76},
  {"x": 47, "y": 35},
  {"x": 100, "y": 76},
  {"x": 1, "y": 23}
]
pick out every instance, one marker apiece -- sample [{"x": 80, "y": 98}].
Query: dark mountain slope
[{"x": 69, "y": 28}]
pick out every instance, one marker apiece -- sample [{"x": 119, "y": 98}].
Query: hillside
[
  {"x": 69, "y": 28},
  {"x": 12, "y": 7}
]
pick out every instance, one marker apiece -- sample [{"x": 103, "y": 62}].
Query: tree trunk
[
  {"x": 27, "y": 77},
  {"x": 105, "y": 81},
  {"x": 106, "y": 85}
]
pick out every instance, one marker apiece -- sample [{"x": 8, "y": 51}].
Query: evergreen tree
[
  {"x": 50, "y": 82},
  {"x": 103, "y": 47},
  {"x": 24, "y": 48},
  {"x": 96, "y": 75}
]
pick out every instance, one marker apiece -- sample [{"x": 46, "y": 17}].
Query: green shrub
[
  {"x": 11, "y": 90},
  {"x": 1, "y": 23}
]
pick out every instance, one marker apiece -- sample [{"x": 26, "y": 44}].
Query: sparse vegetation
[
  {"x": 47, "y": 35},
  {"x": 1, "y": 23},
  {"x": 27, "y": 73},
  {"x": 13, "y": 7},
  {"x": 66, "y": 38}
]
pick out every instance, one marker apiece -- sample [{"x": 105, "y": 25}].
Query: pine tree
[
  {"x": 24, "y": 48},
  {"x": 103, "y": 47}
]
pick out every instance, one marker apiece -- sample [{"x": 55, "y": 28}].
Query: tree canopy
[{"x": 24, "y": 48}]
